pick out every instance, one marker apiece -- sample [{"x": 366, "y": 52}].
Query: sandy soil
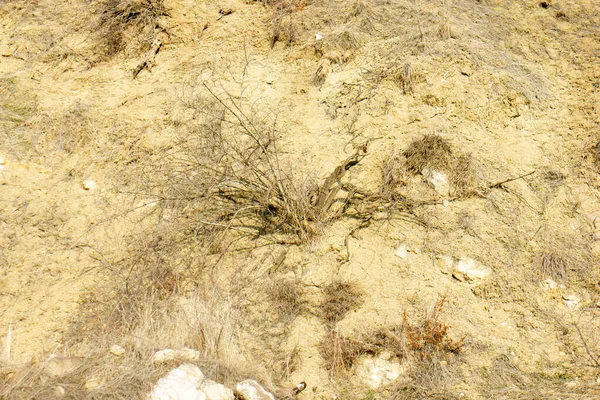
[{"x": 515, "y": 86}]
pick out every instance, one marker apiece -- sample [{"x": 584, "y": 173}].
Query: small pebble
[
  {"x": 59, "y": 392},
  {"x": 401, "y": 251},
  {"x": 88, "y": 184},
  {"x": 94, "y": 383},
  {"x": 117, "y": 350},
  {"x": 571, "y": 300}
]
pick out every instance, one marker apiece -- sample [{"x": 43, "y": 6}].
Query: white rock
[
  {"x": 2, "y": 161},
  {"x": 216, "y": 391},
  {"x": 252, "y": 390},
  {"x": 61, "y": 366},
  {"x": 59, "y": 392},
  {"x": 469, "y": 270},
  {"x": 176, "y": 354},
  {"x": 6, "y": 50},
  {"x": 181, "y": 384},
  {"x": 117, "y": 350},
  {"x": 549, "y": 284},
  {"x": 88, "y": 184},
  {"x": 438, "y": 180},
  {"x": 318, "y": 37},
  {"x": 444, "y": 263},
  {"x": 571, "y": 300},
  {"x": 94, "y": 383},
  {"x": 401, "y": 251},
  {"x": 378, "y": 371}
]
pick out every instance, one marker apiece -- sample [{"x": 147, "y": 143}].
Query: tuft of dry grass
[
  {"x": 225, "y": 173},
  {"x": 16, "y": 105},
  {"x": 340, "y": 353},
  {"x": 562, "y": 257},
  {"x": 463, "y": 177},
  {"x": 286, "y": 297},
  {"x": 200, "y": 321},
  {"x": 428, "y": 151},
  {"x": 394, "y": 173},
  {"x": 126, "y": 24},
  {"x": 404, "y": 78},
  {"x": 340, "y": 297},
  {"x": 359, "y": 7},
  {"x": 67, "y": 132},
  {"x": 503, "y": 379},
  {"x": 444, "y": 30}
]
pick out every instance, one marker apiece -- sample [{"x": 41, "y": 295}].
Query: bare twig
[
  {"x": 499, "y": 184},
  {"x": 587, "y": 349}
]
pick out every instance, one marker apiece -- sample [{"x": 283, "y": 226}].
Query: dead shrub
[
  {"x": 425, "y": 344},
  {"x": 290, "y": 363},
  {"x": 429, "y": 338},
  {"x": 283, "y": 30},
  {"x": 284, "y": 21},
  {"x": 340, "y": 298},
  {"x": 126, "y": 24},
  {"x": 224, "y": 173},
  {"x": 429, "y": 151}
]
